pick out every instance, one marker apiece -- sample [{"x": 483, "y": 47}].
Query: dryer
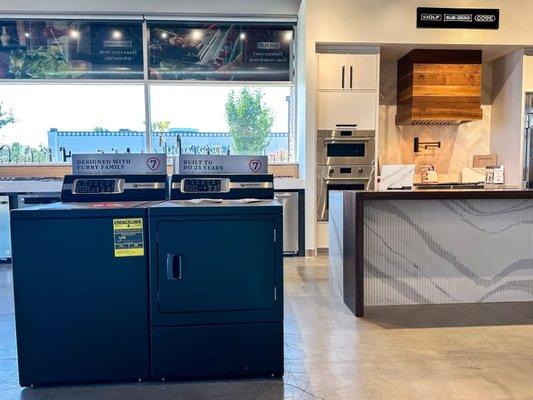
[{"x": 216, "y": 279}]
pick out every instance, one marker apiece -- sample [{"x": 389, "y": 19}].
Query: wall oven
[
  {"x": 345, "y": 146},
  {"x": 341, "y": 177},
  {"x": 345, "y": 161}
]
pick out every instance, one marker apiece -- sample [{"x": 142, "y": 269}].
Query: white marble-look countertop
[
  {"x": 30, "y": 186},
  {"x": 288, "y": 183}
]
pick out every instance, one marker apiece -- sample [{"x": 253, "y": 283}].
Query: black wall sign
[{"x": 460, "y": 18}]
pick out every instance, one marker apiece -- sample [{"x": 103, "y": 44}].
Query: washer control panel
[
  {"x": 205, "y": 185},
  {"x": 98, "y": 186}
]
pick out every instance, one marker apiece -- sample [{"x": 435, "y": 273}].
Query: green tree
[
  {"x": 160, "y": 126},
  {"x": 6, "y": 116},
  {"x": 249, "y": 120},
  {"x": 24, "y": 154},
  {"x": 99, "y": 129}
]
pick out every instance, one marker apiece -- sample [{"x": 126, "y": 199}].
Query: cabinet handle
[
  {"x": 351, "y": 76},
  {"x": 343, "y": 69},
  {"x": 173, "y": 271}
]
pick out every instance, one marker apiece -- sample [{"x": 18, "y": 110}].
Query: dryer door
[{"x": 216, "y": 265}]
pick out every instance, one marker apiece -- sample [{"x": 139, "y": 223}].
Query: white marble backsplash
[{"x": 448, "y": 251}]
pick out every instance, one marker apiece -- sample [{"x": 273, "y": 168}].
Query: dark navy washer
[{"x": 82, "y": 311}]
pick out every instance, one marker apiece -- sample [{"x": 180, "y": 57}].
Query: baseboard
[{"x": 322, "y": 250}]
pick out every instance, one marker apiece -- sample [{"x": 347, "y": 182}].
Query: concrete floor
[{"x": 432, "y": 352}]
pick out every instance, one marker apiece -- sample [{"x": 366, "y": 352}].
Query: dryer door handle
[{"x": 174, "y": 266}]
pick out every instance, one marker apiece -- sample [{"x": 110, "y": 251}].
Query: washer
[{"x": 80, "y": 270}]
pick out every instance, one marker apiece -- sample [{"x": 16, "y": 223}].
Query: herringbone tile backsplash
[{"x": 459, "y": 142}]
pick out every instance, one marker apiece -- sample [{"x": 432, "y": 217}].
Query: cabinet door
[
  {"x": 216, "y": 265},
  {"x": 347, "y": 107},
  {"x": 362, "y": 71},
  {"x": 332, "y": 71}
]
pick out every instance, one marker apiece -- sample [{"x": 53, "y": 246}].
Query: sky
[{"x": 39, "y": 107}]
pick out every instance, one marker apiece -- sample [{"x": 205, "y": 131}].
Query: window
[
  {"x": 51, "y": 121},
  {"x": 69, "y": 49},
  {"x": 205, "y": 118},
  {"x": 79, "y": 86},
  {"x": 218, "y": 51}
]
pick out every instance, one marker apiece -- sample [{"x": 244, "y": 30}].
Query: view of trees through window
[
  {"x": 46, "y": 123},
  {"x": 224, "y": 119},
  {"x": 43, "y": 123}
]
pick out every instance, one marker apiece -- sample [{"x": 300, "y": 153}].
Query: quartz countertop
[
  {"x": 288, "y": 183},
  {"x": 30, "y": 185}
]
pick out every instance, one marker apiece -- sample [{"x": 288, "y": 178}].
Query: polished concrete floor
[{"x": 432, "y": 352}]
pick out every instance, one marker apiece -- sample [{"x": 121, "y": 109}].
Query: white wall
[
  {"x": 379, "y": 22},
  {"x": 196, "y": 7},
  {"x": 528, "y": 73},
  {"x": 394, "y": 21},
  {"x": 507, "y": 111},
  {"x": 304, "y": 117}
]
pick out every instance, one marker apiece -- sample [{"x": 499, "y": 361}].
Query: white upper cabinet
[
  {"x": 332, "y": 71},
  {"x": 347, "y": 71},
  {"x": 346, "y": 107},
  {"x": 362, "y": 71}
]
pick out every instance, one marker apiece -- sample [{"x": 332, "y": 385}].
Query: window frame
[{"x": 146, "y": 82}]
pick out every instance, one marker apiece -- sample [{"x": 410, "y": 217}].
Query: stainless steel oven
[
  {"x": 346, "y": 146},
  {"x": 341, "y": 177}
]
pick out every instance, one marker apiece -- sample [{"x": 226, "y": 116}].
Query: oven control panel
[
  {"x": 205, "y": 185},
  {"x": 350, "y": 171},
  {"x": 98, "y": 186}
]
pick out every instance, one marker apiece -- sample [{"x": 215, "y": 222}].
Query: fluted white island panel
[{"x": 419, "y": 249}]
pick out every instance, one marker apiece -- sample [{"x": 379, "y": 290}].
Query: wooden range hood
[{"x": 439, "y": 87}]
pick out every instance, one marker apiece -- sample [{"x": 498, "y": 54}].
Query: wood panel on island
[{"x": 439, "y": 87}]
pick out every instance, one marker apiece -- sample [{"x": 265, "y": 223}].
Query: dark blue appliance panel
[
  {"x": 216, "y": 265},
  {"x": 218, "y": 351},
  {"x": 81, "y": 313}
]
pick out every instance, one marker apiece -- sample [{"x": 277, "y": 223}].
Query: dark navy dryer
[{"x": 216, "y": 289}]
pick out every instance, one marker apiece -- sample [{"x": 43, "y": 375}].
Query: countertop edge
[{"x": 444, "y": 194}]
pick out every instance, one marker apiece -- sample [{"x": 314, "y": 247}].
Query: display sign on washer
[{"x": 123, "y": 164}]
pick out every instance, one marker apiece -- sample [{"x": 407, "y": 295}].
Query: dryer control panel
[
  {"x": 205, "y": 185},
  {"x": 187, "y": 187}
]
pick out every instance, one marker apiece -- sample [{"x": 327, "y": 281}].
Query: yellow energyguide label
[{"x": 128, "y": 237}]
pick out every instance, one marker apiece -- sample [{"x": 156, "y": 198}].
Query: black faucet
[{"x": 426, "y": 145}]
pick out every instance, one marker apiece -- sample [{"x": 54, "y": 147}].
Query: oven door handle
[
  {"x": 347, "y": 140},
  {"x": 348, "y": 180},
  {"x": 364, "y": 181}
]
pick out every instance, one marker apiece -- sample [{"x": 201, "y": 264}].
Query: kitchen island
[{"x": 431, "y": 247}]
